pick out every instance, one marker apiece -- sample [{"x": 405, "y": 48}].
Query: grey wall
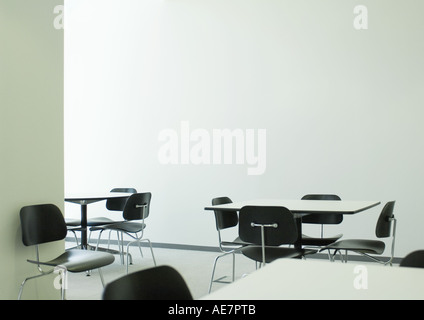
[
  {"x": 341, "y": 107},
  {"x": 31, "y": 133}
]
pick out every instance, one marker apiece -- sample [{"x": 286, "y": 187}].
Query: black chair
[
  {"x": 321, "y": 219},
  {"x": 267, "y": 228},
  {"x": 112, "y": 204},
  {"x": 367, "y": 247},
  {"x": 117, "y": 204},
  {"x": 225, "y": 220},
  {"x": 45, "y": 223},
  {"x": 158, "y": 283},
  {"x": 136, "y": 210},
  {"x": 414, "y": 259}
]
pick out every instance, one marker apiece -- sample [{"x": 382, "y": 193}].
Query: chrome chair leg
[
  {"x": 21, "y": 289},
  {"x": 151, "y": 250},
  {"x": 98, "y": 240},
  {"x": 101, "y": 277},
  {"x": 214, "y": 268},
  {"x": 75, "y": 236},
  {"x": 234, "y": 266},
  {"x": 121, "y": 249},
  {"x": 120, "y": 245},
  {"x": 108, "y": 239},
  {"x": 63, "y": 284},
  {"x": 213, "y": 272},
  {"x": 138, "y": 241},
  {"x": 139, "y": 247},
  {"x": 63, "y": 274}
]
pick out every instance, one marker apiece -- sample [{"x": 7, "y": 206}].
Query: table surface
[
  {"x": 303, "y": 206},
  {"x": 90, "y": 198},
  {"x": 294, "y": 279}
]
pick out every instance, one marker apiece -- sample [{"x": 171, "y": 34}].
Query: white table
[
  {"x": 84, "y": 200},
  {"x": 301, "y": 207},
  {"x": 292, "y": 279}
]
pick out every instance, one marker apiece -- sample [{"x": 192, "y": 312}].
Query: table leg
[
  {"x": 298, "y": 243},
  {"x": 84, "y": 226}
]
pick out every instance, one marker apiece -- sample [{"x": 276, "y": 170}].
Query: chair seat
[
  {"x": 319, "y": 242},
  {"x": 125, "y": 226},
  {"x": 80, "y": 260},
  {"x": 98, "y": 221},
  {"x": 72, "y": 222},
  {"x": 273, "y": 253},
  {"x": 358, "y": 245},
  {"x": 236, "y": 243}
]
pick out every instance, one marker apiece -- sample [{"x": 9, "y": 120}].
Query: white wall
[
  {"x": 31, "y": 135},
  {"x": 342, "y": 108}
]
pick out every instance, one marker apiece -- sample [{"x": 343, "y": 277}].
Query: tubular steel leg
[
  {"x": 101, "y": 277},
  {"x": 30, "y": 278},
  {"x": 214, "y": 268}
]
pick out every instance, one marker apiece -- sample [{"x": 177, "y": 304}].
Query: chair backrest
[
  {"x": 158, "y": 283},
  {"x": 224, "y": 219},
  {"x": 414, "y": 259},
  {"x": 137, "y": 206},
  {"x": 118, "y": 204},
  {"x": 328, "y": 218},
  {"x": 280, "y": 225},
  {"x": 384, "y": 222},
  {"x": 42, "y": 223}
]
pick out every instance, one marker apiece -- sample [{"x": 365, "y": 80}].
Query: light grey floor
[{"x": 194, "y": 266}]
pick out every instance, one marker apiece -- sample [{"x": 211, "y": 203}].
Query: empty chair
[
  {"x": 117, "y": 204},
  {"x": 414, "y": 259},
  {"x": 158, "y": 283},
  {"x": 367, "y": 247},
  {"x": 112, "y": 204},
  {"x": 45, "y": 223},
  {"x": 321, "y": 219},
  {"x": 136, "y": 210},
  {"x": 267, "y": 228},
  {"x": 225, "y": 220}
]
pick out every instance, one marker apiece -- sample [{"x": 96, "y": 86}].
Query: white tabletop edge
[
  {"x": 97, "y": 195},
  {"x": 308, "y": 206}
]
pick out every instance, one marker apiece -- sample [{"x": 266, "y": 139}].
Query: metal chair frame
[
  {"x": 136, "y": 239},
  {"x": 391, "y": 231},
  {"x": 34, "y": 233},
  {"x": 225, "y": 247},
  {"x": 389, "y": 261}
]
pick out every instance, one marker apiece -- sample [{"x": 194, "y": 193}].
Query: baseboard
[
  {"x": 156, "y": 245},
  {"x": 322, "y": 256}
]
